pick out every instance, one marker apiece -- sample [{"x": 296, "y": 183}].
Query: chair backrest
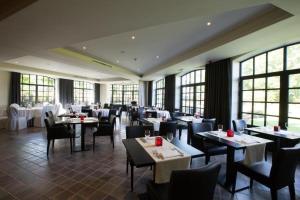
[
  {"x": 212, "y": 121},
  {"x": 141, "y": 112},
  {"x": 48, "y": 122},
  {"x": 176, "y": 114},
  {"x": 106, "y": 105},
  {"x": 194, "y": 184},
  {"x": 167, "y": 127},
  {"x": 201, "y": 127},
  {"x": 151, "y": 114},
  {"x": 239, "y": 125},
  {"x": 135, "y": 131},
  {"x": 49, "y": 114},
  {"x": 283, "y": 169}
]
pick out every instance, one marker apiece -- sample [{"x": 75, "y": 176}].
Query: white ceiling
[{"x": 174, "y": 30}]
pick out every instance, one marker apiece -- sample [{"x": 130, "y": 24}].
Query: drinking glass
[
  {"x": 220, "y": 128},
  {"x": 169, "y": 136},
  {"x": 147, "y": 134}
]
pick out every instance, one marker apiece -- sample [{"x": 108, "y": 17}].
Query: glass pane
[
  {"x": 294, "y": 95},
  {"x": 272, "y": 121},
  {"x": 247, "y": 67},
  {"x": 259, "y": 83},
  {"x": 273, "y": 109},
  {"x": 273, "y": 95},
  {"x": 259, "y": 108},
  {"x": 293, "y": 124},
  {"x": 25, "y": 78},
  {"x": 247, "y": 95},
  {"x": 32, "y": 79},
  {"x": 294, "y": 80},
  {"x": 198, "y": 76},
  {"x": 259, "y": 95},
  {"x": 247, "y": 117},
  {"x": 293, "y": 57},
  {"x": 247, "y": 84},
  {"x": 294, "y": 110},
  {"x": 247, "y": 107},
  {"x": 202, "y": 76},
  {"x": 258, "y": 120},
  {"x": 260, "y": 64},
  {"x": 275, "y": 60},
  {"x": 274, "y": 82}
]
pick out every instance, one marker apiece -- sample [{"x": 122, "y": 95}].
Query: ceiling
[{"x": 92, "y": 41}]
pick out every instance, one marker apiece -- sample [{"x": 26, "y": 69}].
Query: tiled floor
[{"x": 25, "y": 173}]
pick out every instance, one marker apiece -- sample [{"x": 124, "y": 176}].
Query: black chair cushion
[{"x": 158, "y": 191}]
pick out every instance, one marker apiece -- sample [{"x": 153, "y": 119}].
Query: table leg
[
  {"x": 82, "y": 137},
  {"x": 131, "y": 176},
  {"x": 188, "y": 134},
  {"x": 229, "y": 166}
]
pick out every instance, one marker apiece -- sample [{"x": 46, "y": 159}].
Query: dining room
[{"x": 150, "y": 100}]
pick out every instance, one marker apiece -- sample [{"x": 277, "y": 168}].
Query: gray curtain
[
  {"x": 170, "y": 90},
  {"x": 218, "y": 93},
  {"x": 15, "y": 88},
  {"x": 66, "y": 91},
  {"x": 97, "y": 93},
  {"x": 150, "y": 93}
]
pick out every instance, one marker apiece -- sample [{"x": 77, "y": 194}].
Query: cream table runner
[{"x": 167, "y": 158}]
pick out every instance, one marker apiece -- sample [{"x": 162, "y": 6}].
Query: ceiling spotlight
[
  {"x": 84, "y": 47},
  {"x": 122, "y": 51},
  {"x": 133, "y": 37},
  {"x": 135, "y": 59},
  {"x": 16, "y": 62},
  {"x": 117, "y": 61},
  {"x": 208, "y": 23},
  {"x": 157, "y": 57}
]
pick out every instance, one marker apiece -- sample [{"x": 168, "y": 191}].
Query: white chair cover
[
  {"x": 76, "y": 108},
  {"x": 3, "y": 117},
  {"x": 58, "y": 109},
  {"x": 16, "y": 122},
  {"x": 40, "y": 117}
]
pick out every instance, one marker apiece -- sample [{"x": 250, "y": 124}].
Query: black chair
[
  {"x": 167, "y": 127},
  {"x": 105, "y": 129},
  {"x": 133, "y": 103},
  {"x": 239, "y": 125},
  {"x": 134, "y": 116},
  {"x": 119, "y": 114},
  {"x": 88, "y": 110},
  {"x": 180, "y": 125},
  {"x": 57, "y": 132},
  {"x": 151, "y": 114},
  {"x": 192, "y": 184},
  {"x": 200, "y": 143},
  {"x": 276, "y": 176},
  {"x": 106, "y": 106},
  {"x": 212, "y": 121}
]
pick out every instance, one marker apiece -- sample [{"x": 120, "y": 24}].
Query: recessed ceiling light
[
  {"x": 208, "y": 23},
  {"x": 16, "y": 62},
  {"x": 117, "y": 61},
  {"x": 157, "y": 57},
  {"x": 133, "y": 37},
  {"x": 122, "y": 51},
  {"x": 84, "y": 48}
]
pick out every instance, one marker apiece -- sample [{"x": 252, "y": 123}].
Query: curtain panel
[
  {"x": 15, "y": 88},
  {"x": 170, "y": 82},
  {"x": 150, "y": 83},
  {"x": 97, "y": 93},
  {"x": 218, "y": 92},
  {"x": 66, "y": 92}
]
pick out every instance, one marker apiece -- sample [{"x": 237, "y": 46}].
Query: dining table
[
  {"x": 87, "y": 121},
  {"x": 142, "y": 154},
  {"x": 238, "y": 142}
]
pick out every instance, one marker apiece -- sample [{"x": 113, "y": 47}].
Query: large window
[
  {"x": 270, "y": 88},
  {"x": 84, "y": 92},
  {"x": 37, "y": 89},
  {"x": 160, "y": 93},
  {"x": 192, "y": 92},
  {"x": 124, "y": 94}
]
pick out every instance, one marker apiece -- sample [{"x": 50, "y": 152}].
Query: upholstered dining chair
[
  {"x": 239, "y": 125},
  {"x": 167, "y": 127},
  {"x": 180, "y": 125},
  {"x": 192, "y": 184},
  {"x": 275, "y": 176},
  {"x": 105, "y": 129},
  {"x": 200, "y": 143}
]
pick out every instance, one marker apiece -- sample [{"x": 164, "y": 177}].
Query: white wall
[
  {"x": 235, "y": 90},
  {"x": 4, "y": 87},
  {"x": 104, "y": 94}
]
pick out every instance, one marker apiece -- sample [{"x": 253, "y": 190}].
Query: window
[
  {"x": 84, "y": 92},
  {"x": 124, "y": 94},
  {"x": 270, "y": 88},
  {"x": 37, "y": 89},
  {"x": 192, "y": 92},
  {"x": 160, "y": 93}
]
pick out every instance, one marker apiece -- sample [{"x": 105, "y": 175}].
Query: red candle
[
  {"x": 81, "y": 117},
  {"x": 158, "y": 141},
  {"x": 230, "y": 133}
]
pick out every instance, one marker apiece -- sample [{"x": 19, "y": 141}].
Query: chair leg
[
  {"x": 93, "y": 143},
  {"x": 53, "y": 144},
  {"x": 112, "y": 140},
  {"x": 207, "y": 159},
  {"x": 251, "y": 183},
  {"x": 274, "y": 194},
  {"x": 234, "y": 181},
  {"x": 292, "y": 191},
  {"x": 71, "y": 145},
  {"x": 266, "y": 155},
  {"x": 127, "y": 163},
  {"x": 48, "y": 145}
]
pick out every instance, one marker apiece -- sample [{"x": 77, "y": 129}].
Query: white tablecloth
[
  {"x": 104, "y": 112},
  {"x": 76, "y": 108},
  {"x": 29, "y": 113},
  {"x": 155, "y": 122},
  {"x": 165, "y": 113},
  {"x": 167, "y": 158}
]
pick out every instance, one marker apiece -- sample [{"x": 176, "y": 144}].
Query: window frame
[
  {"x": 36, "y": 85},
  {"x": 84, "y": 89},
  {"x": 160, "y": 92},
  {"x": 283, "y": 87},
  {"x": 131, "y": 89},
  {"x": 194, "y": 85}
]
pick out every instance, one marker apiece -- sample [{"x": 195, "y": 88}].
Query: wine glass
[
  {"x": 147, "y": 134},
  {"x": 169, "y": 136},
  {"x": 220, "y": 128}
]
